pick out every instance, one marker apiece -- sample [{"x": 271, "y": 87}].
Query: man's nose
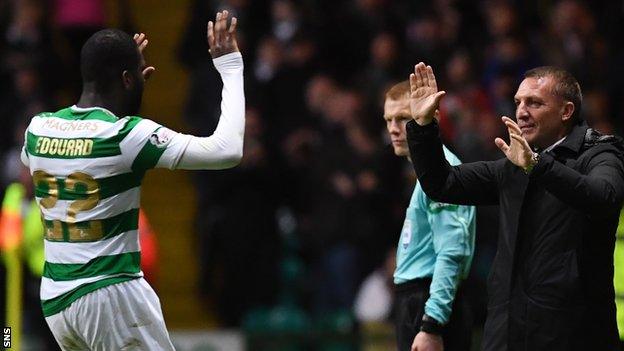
[
  {"x": 521, "y": 111},
  {"x": 394, "y": 128}
]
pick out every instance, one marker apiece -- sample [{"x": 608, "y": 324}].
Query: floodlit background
[{"x": 274, "y": 253}]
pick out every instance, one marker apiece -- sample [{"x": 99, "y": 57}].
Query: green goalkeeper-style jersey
[{"x": 87, "y": 165}]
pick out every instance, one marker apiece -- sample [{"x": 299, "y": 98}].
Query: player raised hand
[
  {"x": 518, "y": 151},
  {"x": 222, "y": 40},
  {"x": 141, "y": 41},
  {"x": 424, "y": 94}
]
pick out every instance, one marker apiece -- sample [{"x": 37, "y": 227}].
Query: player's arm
[{"x": 224, "y": 148}]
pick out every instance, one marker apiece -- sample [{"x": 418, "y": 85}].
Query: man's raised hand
[
  {"x": 424, "y": 94},
  {"x": 518, "y": 151},
  {"x": 141, "y": 41},
  {"x": 222, "y": 40}
]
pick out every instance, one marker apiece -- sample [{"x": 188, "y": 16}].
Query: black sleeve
[
  {"x": 599, "y": 192},
  {"x": 467, "y": 184}
]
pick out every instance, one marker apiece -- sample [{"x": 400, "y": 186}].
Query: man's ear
[
  {"x": 568, "y": 111},
  {"x": 128, "y": 81}
]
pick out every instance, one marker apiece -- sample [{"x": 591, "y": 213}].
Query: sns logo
[{"x": 6, "y": 337}]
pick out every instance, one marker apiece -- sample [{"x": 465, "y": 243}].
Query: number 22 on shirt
[{"x": 85, "y": 191}]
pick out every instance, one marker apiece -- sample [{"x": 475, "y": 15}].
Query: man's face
[
  {"x": 539, "y": 113},
  {"x": 397, "y": 114}
]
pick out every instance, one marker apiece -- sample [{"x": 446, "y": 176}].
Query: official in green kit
[{"x": 433, "y": 255}]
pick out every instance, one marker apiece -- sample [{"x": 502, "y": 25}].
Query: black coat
[{"x": 551, "y": 282}]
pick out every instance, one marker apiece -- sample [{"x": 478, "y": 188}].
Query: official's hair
[
  {"x": 399, "y": 91},
  {"x": 105, "y": 55},
  {"x": 566, "y": 86}
]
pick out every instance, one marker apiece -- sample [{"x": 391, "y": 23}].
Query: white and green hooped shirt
[{"x": 87, "y": 165}]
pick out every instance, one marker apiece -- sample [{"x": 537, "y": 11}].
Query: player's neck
[{"x": 90, "y": 98}]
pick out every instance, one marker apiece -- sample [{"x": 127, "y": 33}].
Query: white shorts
[{"x": 124, "y": 316}]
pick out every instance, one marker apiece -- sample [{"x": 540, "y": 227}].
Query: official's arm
[{"x": 453, "y": 230}]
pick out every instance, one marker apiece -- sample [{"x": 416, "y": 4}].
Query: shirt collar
[
  {"x": 574, "y": 140},
  {"x": 89, "y": 109},
  {"x": 555, "y": 144}
]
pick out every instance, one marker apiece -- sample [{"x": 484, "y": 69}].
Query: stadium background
[{"x": 282, "y": 243}]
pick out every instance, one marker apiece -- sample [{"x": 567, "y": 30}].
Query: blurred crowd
[{"x": 319, "y": 198}]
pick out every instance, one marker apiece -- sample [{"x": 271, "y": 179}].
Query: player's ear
[{"x": 128, "y": 80}]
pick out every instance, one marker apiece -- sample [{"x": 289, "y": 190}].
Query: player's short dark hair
[
  {"x": 566, "y": 86},
  {"x": 105, "y": 55}
]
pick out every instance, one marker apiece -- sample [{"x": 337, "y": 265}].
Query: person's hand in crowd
[
  {"x": 141, "y": 41},
  {"x": 518, "y": 151},
  {"x": 427, "y": 342},
  {"x": 222, "y": 40},
  {"x": 424, "y": 95}
]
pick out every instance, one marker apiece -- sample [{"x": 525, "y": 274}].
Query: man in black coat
[{"x": 559, "y": 190}]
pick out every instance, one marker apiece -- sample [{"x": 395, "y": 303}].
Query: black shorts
[{"x": 410, "y": 298}]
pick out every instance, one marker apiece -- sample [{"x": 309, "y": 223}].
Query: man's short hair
[
  {"x": 566, "y": 86},
  {"x": 399, "y": 91},
  {"x": 105, "y": 55}
]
